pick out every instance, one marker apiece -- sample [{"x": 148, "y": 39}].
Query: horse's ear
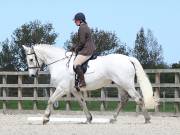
[{"x": 25, "y": 48}]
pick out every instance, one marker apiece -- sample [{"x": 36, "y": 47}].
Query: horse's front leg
[
  {"x": 56, "y": 95},
  {"x": 83, "y": 106}
]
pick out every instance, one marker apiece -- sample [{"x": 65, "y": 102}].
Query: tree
[
  {"x": 141, "y": 49},
  {"x": 123, "y": 49},
  {"x": 28, "y": 34},
  {"x": 176, "y": 65},
  {"x": 6, "y": 57},
  {"x": 148, "y": 51},
  {"x": 106, "y": 42},
  {"x": 154, "y": 50}
]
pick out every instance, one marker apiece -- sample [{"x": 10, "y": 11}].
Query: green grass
[
  {"x": 130, "y": 107},
  {"x": 12, "y": 104},
  {"x": 93, "y": 106},
  {"x": 168, "y": 107}
]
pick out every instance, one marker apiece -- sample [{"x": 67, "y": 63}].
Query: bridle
[{"x": 37, "y": 62}]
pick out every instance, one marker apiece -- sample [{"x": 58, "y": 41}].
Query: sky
[{"x": 124, "y": 17}]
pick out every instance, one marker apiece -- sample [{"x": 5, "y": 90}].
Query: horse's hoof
[
  {"x": 89, "y": 120},
  {"x": 45, "y": 120},
  {"x": 147, "y": 121},
  {"x": 112, "y": 120}
]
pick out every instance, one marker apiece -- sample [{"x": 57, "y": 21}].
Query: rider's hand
[
  {"x": 78, "y": 48},
  {"x": 72, "y": 49}
]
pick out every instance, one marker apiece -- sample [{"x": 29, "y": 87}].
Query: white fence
[{"x": 155, "y": 74}]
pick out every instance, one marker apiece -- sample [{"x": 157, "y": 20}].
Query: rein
[
  {"x": 57, "y": 61},
  {"x": 67, "y": 64}
]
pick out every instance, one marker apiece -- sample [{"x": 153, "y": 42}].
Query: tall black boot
[{"x": 80, "y": 74}]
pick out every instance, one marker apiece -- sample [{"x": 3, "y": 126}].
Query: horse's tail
[{"x": 144, "y": 83}]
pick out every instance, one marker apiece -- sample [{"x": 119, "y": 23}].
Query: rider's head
[{"x": 79, "y": 18}]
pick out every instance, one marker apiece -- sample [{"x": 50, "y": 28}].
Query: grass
[
  {"x": 93, "y": 106},
  {"x": 168, "y": 107}
]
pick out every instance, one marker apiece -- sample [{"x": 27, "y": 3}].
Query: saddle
[{"x": 84, "y": 66}]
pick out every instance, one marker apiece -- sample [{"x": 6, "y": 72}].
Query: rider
[{"x": 84, "y": 49}]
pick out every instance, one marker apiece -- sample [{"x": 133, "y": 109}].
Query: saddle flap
[{"x": 87, "y": 68}]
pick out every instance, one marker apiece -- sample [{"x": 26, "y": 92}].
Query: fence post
[
  {"x": 164, "y": 102},
  {"x": 157, "y": 91},
  {"x": 102, "y": 107},
  {"x": 4, "y": 81},
  {"x": 35, "y": 95},
  {"x": 176, "y": 93},
  {"x": 68, "y": 102},
  {"x": 19, "y": 93}
]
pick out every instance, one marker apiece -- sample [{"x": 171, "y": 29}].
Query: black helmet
[{"x": 80, "y": 16}]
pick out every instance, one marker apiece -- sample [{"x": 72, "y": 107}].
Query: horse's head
[{"x": 34, "y": 63}]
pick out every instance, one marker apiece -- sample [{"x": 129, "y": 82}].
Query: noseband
[{"x": 37, "y": 62}]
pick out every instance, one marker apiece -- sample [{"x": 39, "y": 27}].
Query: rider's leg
[
  {"x": 79, "y": 60},
  {"x": 80, "y": 74}
]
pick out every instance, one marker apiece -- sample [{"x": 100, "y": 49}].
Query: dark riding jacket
[{"x": 86, "y": 44}]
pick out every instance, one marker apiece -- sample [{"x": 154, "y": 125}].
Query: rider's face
[{"x": 77, "y": 22}]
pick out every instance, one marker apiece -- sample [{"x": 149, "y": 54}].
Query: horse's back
[
  {"x": 111, "y": 61},
  {"x": 113, "y": 65}
]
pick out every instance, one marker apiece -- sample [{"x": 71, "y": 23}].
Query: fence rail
[{"x": 158, "y": 86}]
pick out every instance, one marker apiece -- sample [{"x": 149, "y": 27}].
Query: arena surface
[{"x": 17, "y": 124}]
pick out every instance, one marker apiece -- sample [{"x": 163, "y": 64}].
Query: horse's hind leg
[
  {"x": 121, "y": 104},
  {"x": 83, "y": 106},
  {"x": 145, "y": 112},
  {"x": 56, "y": 95},
  {"x": 139, "y": 100}
]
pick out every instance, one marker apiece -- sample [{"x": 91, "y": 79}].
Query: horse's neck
[{"x": 48, "y": 54}]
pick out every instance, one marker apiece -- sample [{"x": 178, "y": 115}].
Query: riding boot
[{"x": 80, "y": 74}]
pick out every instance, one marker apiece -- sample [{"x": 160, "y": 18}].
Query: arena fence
[{"x": 165, "y": 82}]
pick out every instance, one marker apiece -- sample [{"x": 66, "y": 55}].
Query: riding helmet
[{"x": 80, "y": 16}]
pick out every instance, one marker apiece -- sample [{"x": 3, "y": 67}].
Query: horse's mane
[
  {"x": 52, "y": 50},
  {"x": 48, "y": 46}
]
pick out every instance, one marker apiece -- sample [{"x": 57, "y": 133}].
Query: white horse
[{"x": 102, "y": 71}]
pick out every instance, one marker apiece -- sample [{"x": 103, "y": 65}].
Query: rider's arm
[{"x": 82, "y": 35}]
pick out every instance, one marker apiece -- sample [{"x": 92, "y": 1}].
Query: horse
[{"x": 117, "y": 68}]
